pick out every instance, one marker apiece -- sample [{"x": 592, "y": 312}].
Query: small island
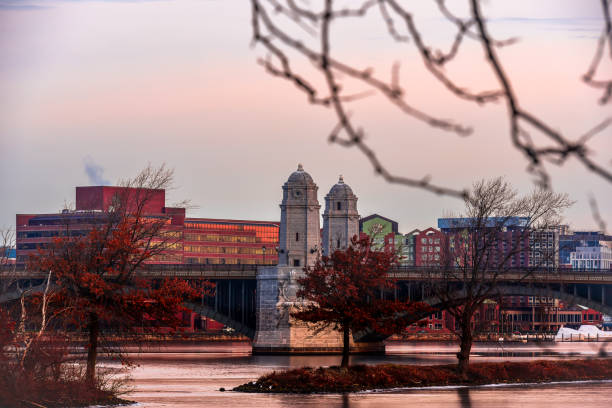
[{"x": 364, "y": 377}]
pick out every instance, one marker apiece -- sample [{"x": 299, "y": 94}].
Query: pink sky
[{"x": 122, "y": 84}]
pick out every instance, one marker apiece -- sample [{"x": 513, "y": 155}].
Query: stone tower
[
  {"x": 340, "y": 219},
  {"x": 299, "y": 230},
  {"x": 277, "y": 331}
]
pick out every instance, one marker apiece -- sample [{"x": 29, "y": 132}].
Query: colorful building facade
[{"x": 198, "y": 240}]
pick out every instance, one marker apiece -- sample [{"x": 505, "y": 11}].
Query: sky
[{"x": 93, "y": 91}]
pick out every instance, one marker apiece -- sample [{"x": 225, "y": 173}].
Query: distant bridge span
[{"x": 234, "y": 301}]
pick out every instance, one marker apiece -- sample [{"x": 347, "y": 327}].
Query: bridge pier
[
  {"x": 278, "y": 333},
  {"x": 588, "y": 292}
]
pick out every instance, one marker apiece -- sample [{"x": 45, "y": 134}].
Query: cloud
[{"x": 94, "y": 172}]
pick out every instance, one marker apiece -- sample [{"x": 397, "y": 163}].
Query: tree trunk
[
  {"x": 92, "y": 348},
  {"x": 345, "y": 347},
  {"x": 463, "y": 356}
]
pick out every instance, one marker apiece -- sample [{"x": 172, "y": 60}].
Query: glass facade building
[
  {"x": 212, "y": 241},
  {"x": 198, "y": 240},
  {"x": 568, "y": 243}
]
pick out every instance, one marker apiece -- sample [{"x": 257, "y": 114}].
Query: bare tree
[
  {"x": 95, "y": 269},
  {"x": 500, "y": 232},
  {"x": 7, "y": 243},
  {"x": 293, "y": 32}
]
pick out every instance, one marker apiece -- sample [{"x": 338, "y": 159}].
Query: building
[
  {"x": 199, "y": 240},
  {"x": 592, "y": 257},
  {"x": 222, "y": 241},
  {"x": 340, "y": 218},
  {"x": 508, "y": 242},
  {"x": 544, "y": 248},
  {"x": 409, "y": 250},
  {"x": 7, "y": 256},
  {"x": 570, "y": 241},
  {"x": 430, "y": 247},
  {"x": 383, "y": 231}
]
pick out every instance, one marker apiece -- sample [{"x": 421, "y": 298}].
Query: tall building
[
  {"x": 430, "y": 247},
  {"x": 383, "y": 231},
  {"x": 544, "y": 248},
  {"x": 220, "y": 241},
  {"x": 570, "y": 241},
  {"x": 340, "y": 218},
  {"x": 200, "y": 240},
  {"x": 592, "y": 258},
  {"x": 300, "y": 236},
  {"x": 409, "y": 250},
  {"x": 508, "y": 245}
]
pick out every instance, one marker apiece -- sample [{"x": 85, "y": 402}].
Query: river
[{"x": 189, "y": 377}]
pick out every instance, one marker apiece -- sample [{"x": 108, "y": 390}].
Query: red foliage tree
[
  {"x": 96, "y": 279},
  {"x": 345, "y": 291}
]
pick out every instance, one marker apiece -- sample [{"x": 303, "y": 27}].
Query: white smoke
[{"x": 94, "y": 172}]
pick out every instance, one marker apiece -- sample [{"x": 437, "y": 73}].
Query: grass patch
[{"x": 368, "y": 377}]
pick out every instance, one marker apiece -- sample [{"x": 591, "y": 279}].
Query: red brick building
[
  {"x": 201, "y": 240},
  {"x": 429, "y": 247}
]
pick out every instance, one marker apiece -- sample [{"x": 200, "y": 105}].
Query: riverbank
[
  {"x": 368, "y": 377},
  {"x": 57, "y": 394}
]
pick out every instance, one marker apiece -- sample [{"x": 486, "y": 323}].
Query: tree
[
  {"x": 95, "y": 270},
  {"x": 302, "y": 47},
  {"x": 500, "y": 232},
  {"x": 346, "y": 291}
]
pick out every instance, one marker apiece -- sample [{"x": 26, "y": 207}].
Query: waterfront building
[
  {"x": 509, "y": 248},
  {"x": 7, "y": 255},
  {"x": 383, "y": 231},
  {"x": 430, "y": 247},
  {"x": 544, "y": 248},
  {"x": 409, "y": 250},
  {"x": 592, "y": 257},
  {"x": 199, "y": 240},
  {"x": 570, "y": 241},
  {"x": 340, "y": 218}
]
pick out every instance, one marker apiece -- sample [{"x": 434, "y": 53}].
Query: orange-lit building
[{"x": 200, "y": 240}]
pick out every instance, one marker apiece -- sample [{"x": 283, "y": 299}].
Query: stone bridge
[{"x": 235, "y": 300}]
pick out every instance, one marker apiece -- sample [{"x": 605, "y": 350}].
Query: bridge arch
[
  {"x": 222, "y": 318},
  {"x": 529, "y": 290}
]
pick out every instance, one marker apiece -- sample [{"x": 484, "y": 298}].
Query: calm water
[{"x": 190, "y": 377}]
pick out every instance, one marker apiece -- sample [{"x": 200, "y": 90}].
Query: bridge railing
[{"x": 228, "y": 271}]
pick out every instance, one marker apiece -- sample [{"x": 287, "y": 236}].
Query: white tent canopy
[{"x": 584, "y": 332}]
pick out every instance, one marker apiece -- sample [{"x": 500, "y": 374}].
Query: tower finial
[
  {"x": 300, "y": 167},
  {"x": 341, "y": 180}
]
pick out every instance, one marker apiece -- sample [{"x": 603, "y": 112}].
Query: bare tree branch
[
  {"x": 605, "y": 37},
  {"x": 279, "y": 42}
]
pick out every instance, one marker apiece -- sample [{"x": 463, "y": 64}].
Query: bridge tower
[
  {"x": 277, "y": 332},
  {"x": 299, "y": 234},
  {"x": 340, "y": 219}
]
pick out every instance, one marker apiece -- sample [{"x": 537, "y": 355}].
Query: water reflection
[
  {"x": 464, "y": 397},
  {"x": 192, "y": 379}
]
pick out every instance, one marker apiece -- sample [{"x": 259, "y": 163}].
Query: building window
[
  {"x": 297, "y": 237},
  {"x": 296, "y": 262},
  {"x": 338, "y": 243},
  {"x": 338, "y": 205}
]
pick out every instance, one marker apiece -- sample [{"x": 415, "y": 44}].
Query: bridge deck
[{"x": 417, "y": 274}]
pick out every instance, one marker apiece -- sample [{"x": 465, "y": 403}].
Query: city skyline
[{"x": 107, "y": 87}]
